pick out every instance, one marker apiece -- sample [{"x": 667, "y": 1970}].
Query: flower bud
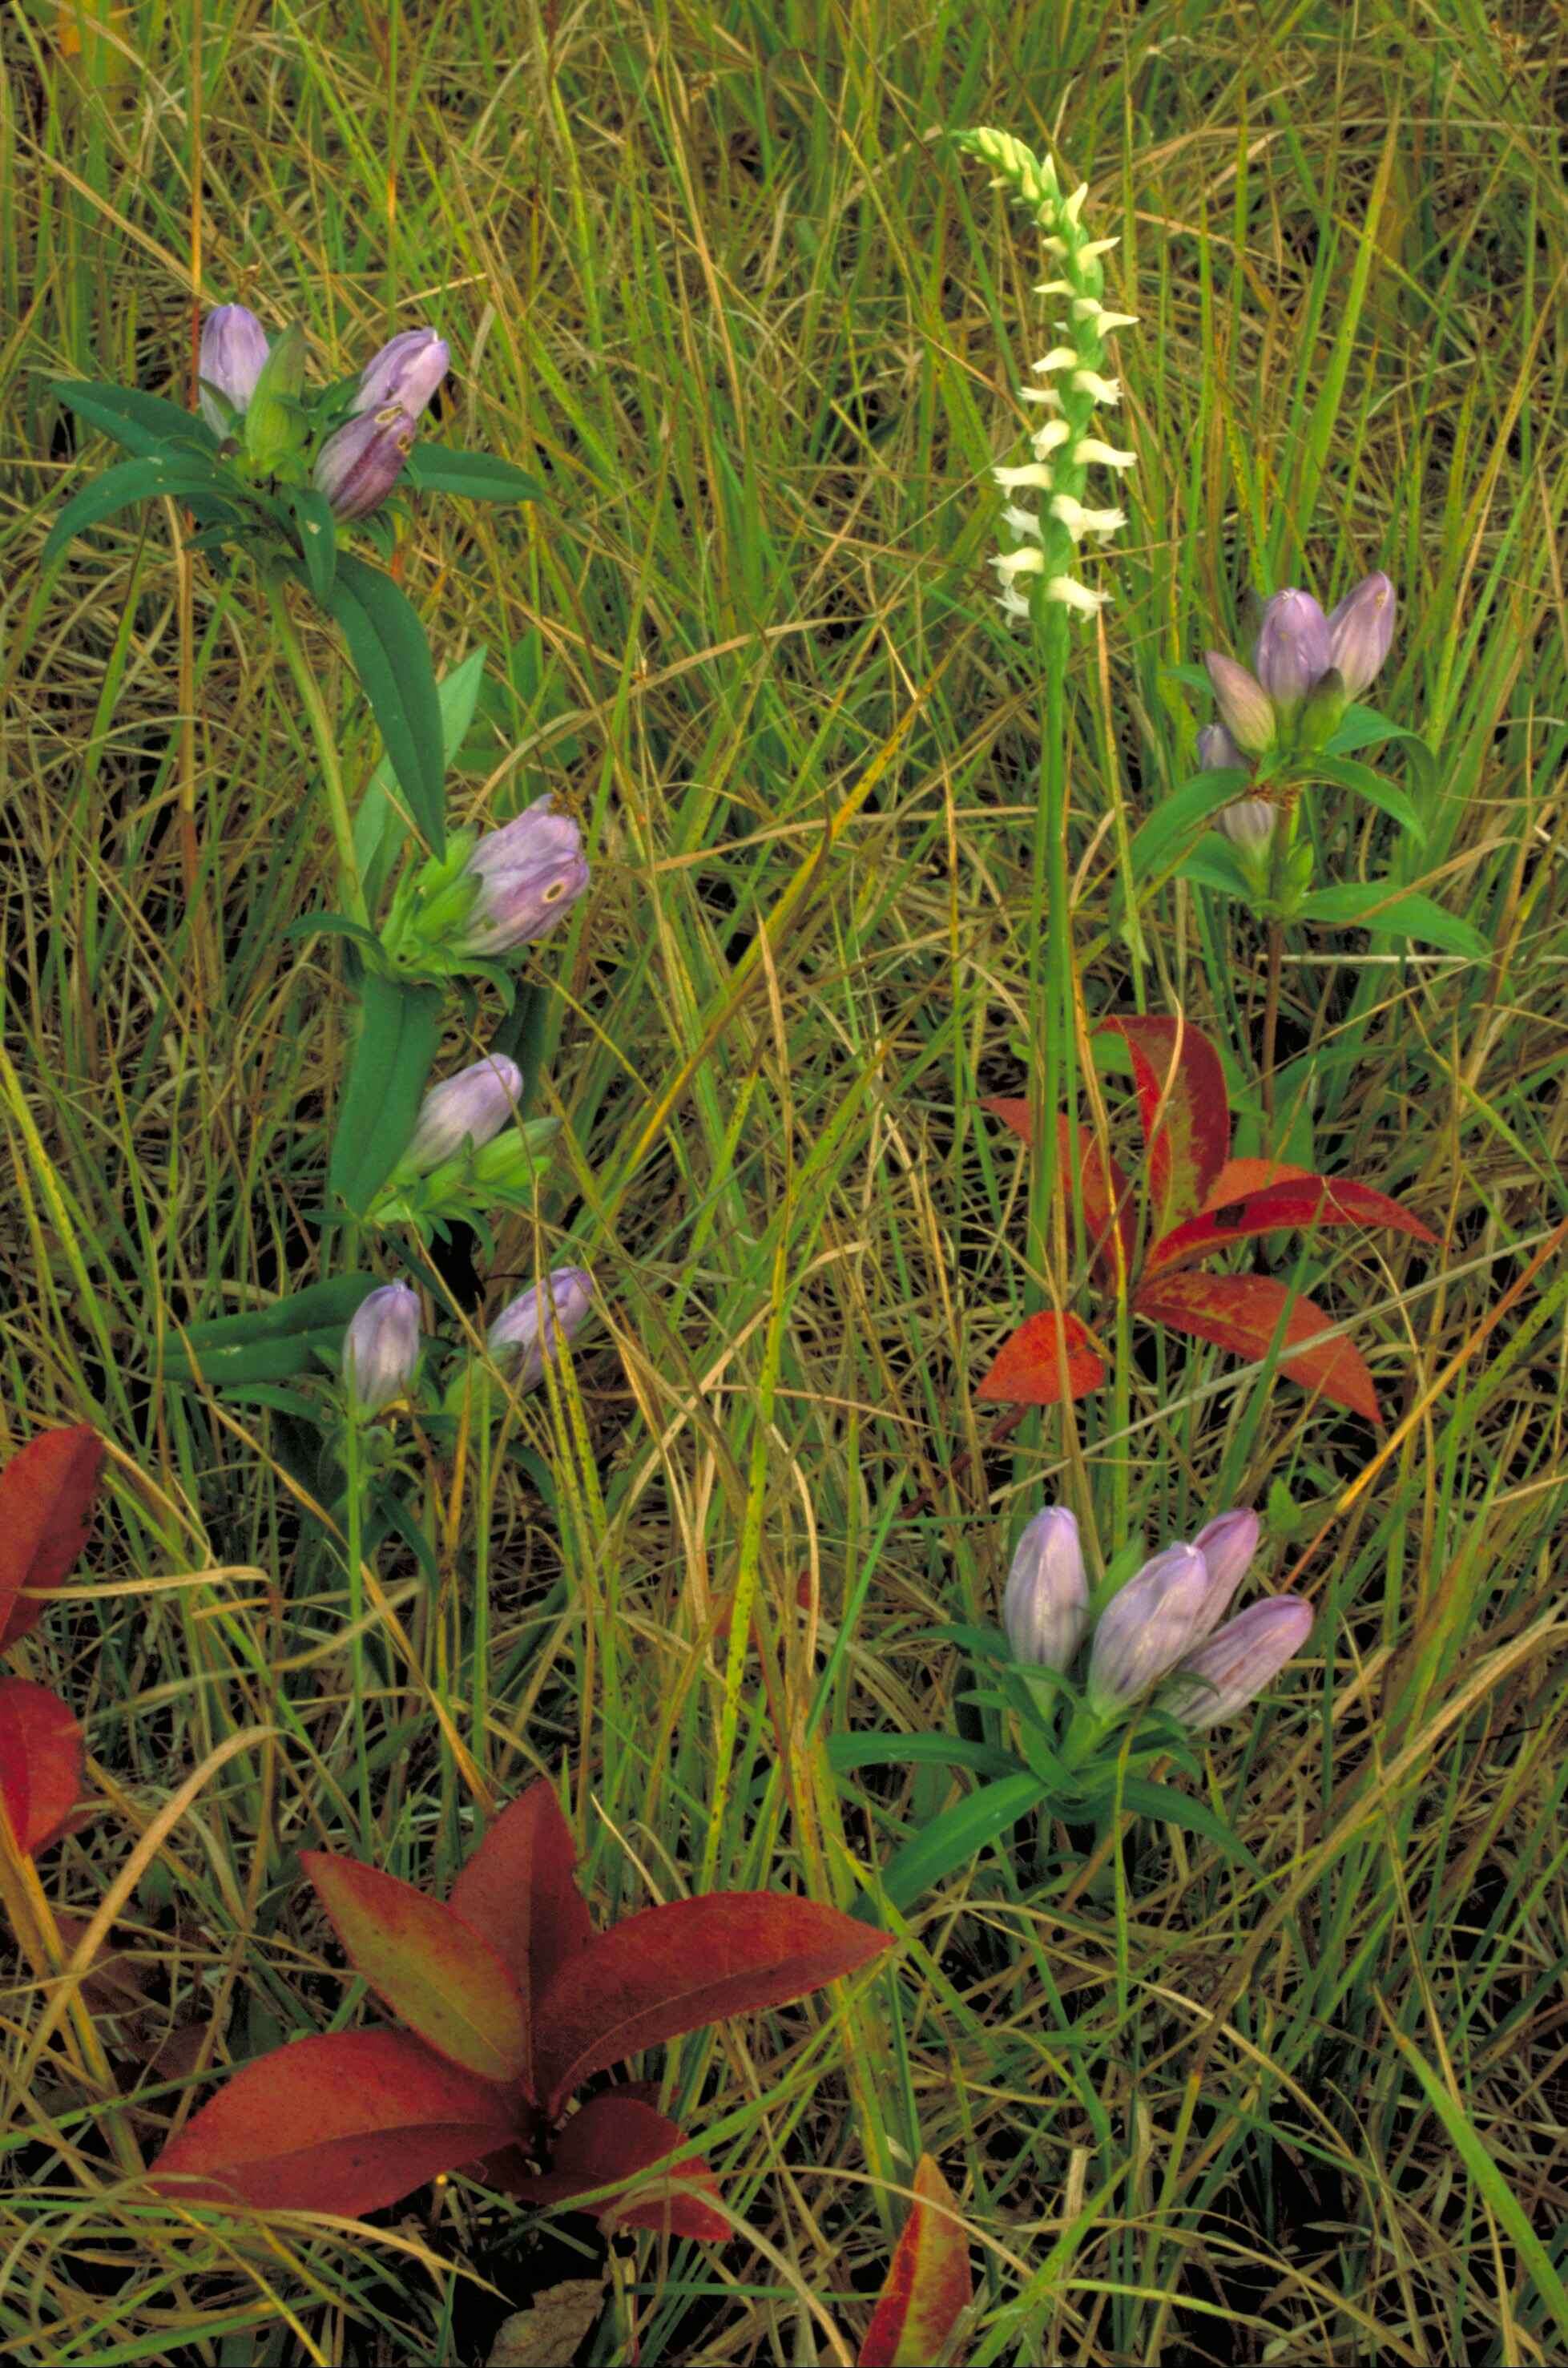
[
  {"x": 363, "y": 461},
  {"x": 381, "y": 1346},
  {"x": 1147, "y": 1626},
  {"x": 1244, "y": 707},
  {"x": 1248, "y": 824},
  {"x": 1239, "y": 1660},
  {"x": 273, "y": 428},
  {"x": 533, "y": 1325},
  {"x": 1360, "y": 633},
  {"x": 530, "y": 875},
  {"x": 473, "y": 1106},
  {"x": 1293, "y": 648},
  {"x": 234, "y": 354},
  {"x": 1227, "y": 1544},
  {"x": 1045, "y": 1605},
  {"x": 407, "y": 371},
  {"x": 1217, "y": 752}
]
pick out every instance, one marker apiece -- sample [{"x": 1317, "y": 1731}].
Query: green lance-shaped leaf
[
  {"x": 1365, "y": 783},
  {"x": 144, "y": 424},
  {"x": 478, "y": 476},
  {"x": 1386, "y": 910},
  {"x": 379, "y": 827},
  {"x": 187, "y": 479},
  {"x": 269, "y": 1344},
  {"x": 399, "y": 1027},
  {"x": 952, "y": 1840},
  {"x": 1175, "y": 819},
  {"x": 391, "y": 657},
  {"x": 318, "y": 538}
]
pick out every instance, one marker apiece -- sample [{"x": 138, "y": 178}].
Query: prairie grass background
[{"x": 711, "y": 271}]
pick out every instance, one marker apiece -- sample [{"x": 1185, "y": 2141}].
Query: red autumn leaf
[
  {"x": 343, "y": 2123},
  {"x": 927, "y": 2285},
  {"x": 614, "y": 2135},
  {"x": 46, "y": 1497},
  {"x": 428, "y": 1964},
  {"x": 1297, "y": 1198},
  {"x": 1185, "y": 1109},
  {"x": 1106, "y": 1194},
  {"x": 1242, "y": 1313},
  {"x": 517, "y": 1890},
  {"x": 41, "y": 1763},
  {"x": 1027, "y": 1370},
  {"x": 672, "y": 1969}
]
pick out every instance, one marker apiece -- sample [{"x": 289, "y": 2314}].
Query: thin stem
[
  {"x": 326, "y": 749},
  {"x": 355, "y": 1517}
]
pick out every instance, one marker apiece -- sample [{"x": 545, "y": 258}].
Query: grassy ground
[{"x": 709, "y": 271}]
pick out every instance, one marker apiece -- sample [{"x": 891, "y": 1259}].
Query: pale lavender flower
[
  {"x": 531, "y": 873},
  {"x": 534, "y": 1324},
  {"x": 234, "y": 350},
  {"x": 1045, "y": 1607},
  {"x": 1227, "y": 1544},
  {"x": 1148, "y": 1625},
  {"x": 1233, "y": 1667},
  {"x": 1249, "y": 822},
  {"x": 473, "y": 1106},
  {"x": 1360, "y": 633},
  {"x": 407, "y": 371},
  {"x": 1246, "y": 708},
  {"x": 1217, "y": 752},
  {"x": 381, "y": 1346},
  {"x": 1293, "y": 648},
  {"x": 363, "y": 461}
]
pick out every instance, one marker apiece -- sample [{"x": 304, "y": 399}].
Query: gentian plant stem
[{"x": 325, "y": 738}]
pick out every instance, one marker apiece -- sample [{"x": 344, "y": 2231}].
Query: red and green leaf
[
  {"x": 673, "y": 1969},
  {"x": 615, "y": 2137},
  {"x": 41, "y": 1763},
  {"x": 1185, "y": 1109},
  {"x": 1292, "y": 1197},
  {"x": 46, "y": 1500},
  {"x": 1106, "y": 1194},
  {"x": 345, "y": 2123},
  {"x": 1243, "y": 1312},
  {"x": 1047, "y": 1359},
  {"x": 428, "y": 1965},
  {"x": 517, "y": 1890},
  {"x": 928, "y": 2286}
]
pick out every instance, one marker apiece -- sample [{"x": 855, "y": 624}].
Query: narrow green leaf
[
  {"x": 1364, "y": 783},
  {"x": 850, "y": 1751},
  {"x": 146, "y": 424},
  {"x": 330, "y": 925},
  {"x": 391, "y": 657},
  {"x": 1363, "y": 727},
  {"x": 332, "y": 1301},
  {"x": 122, "y": 486},
  {"x": 379, "y": 827},
  {"x": 318, "y": 538},
  {"x": 477, "y": 476},
  {"x": 261, "y": 1360},
  {"x": 399, "y": 1027},
  {"x": 1157, "y": 838},
  {"x": 1391, "y": 912},
  {"x": 1169, "y": 1807},
  {"x": 1213, "y": 863},
  {"x": 952, "y": 1840}
]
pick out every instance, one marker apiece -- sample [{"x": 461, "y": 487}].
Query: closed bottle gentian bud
[
  {"x": 407, "y": 371},
  {"x": 472, "y": 1107},
  {"x": 533, "y": 1325},
  {"x": 381, "y": 1346},
  {"x": 531, "y": 873},
  {"x": 1293, "y": 648},
  {"x": 1248, "y": 824},
  {"x": 1147, "y": 1627},
  {"x": 1235, "y": 1664},
  {"x": 1045, "y": 1605},
  {"x": 1360, "y": 633},
  {"x": 363, "y": 461},
  {"x": 234, "y": 355},
  {"x": 1217, "y": 752},
  {"x": 1246, "y": 708},
  {"x": 1227, "y": 1544}
]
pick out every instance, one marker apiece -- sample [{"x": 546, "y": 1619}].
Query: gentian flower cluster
[
  {"x": 381, "y": 1345},
  {"x": 1164, "y": 1635},
  {"x": 1043, "y": 543}
]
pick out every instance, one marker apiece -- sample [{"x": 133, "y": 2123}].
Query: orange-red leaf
[
  {"x": 40, "y": 1762},
  {"x": 672, "y": 1969},
  {"x": 343, "y": 2124},
  {"x": 428, "y": 1964},
  {"x": 614, "y": 2136},
  {"x": 1185, "y": 1110},
  {"x": 1106, "y": 1194},
  {"x": 517, "y": 1890},
  {"x": 1028, "y": 1370},
  {"x": 1242, "y": 1313},
  {"x": 1294, "y": 1197},
  {"x": 927, "y": 2285},
  {"x": 46, "y": 1499}
]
